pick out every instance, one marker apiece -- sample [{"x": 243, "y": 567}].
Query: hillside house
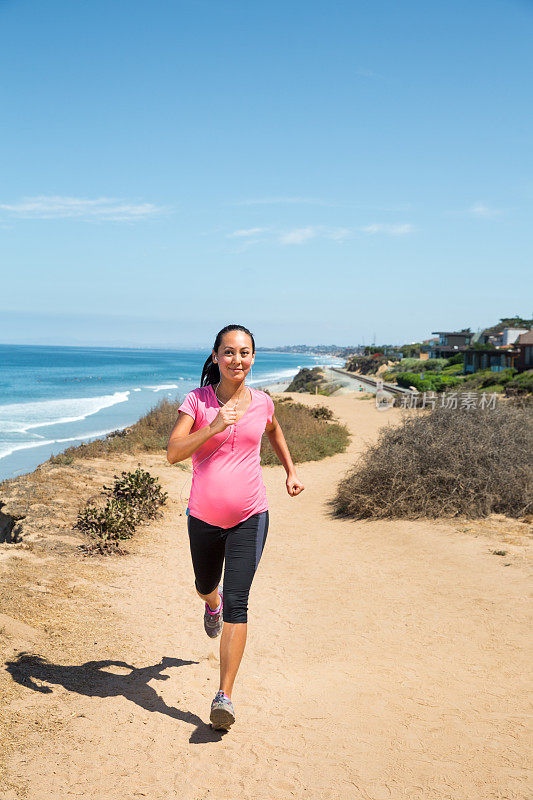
[
  {"x": 450, "y": 343},
  {"x": 525, "y": 347},
  {"x": 501, "y": 338},
  {"x": 495, "y": 359}
]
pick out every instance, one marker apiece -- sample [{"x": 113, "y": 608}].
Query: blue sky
[{"x": 318, "y": 171}]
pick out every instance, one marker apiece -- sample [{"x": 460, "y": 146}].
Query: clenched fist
[{"x": 226, "y": 416}]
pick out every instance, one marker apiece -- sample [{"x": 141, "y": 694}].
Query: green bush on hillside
[
  {"x": 453, "y": 369},
  {"x": 521, "y": 383},
  {"x": 407, "y": 379},
  {"x": 432, "y": 382},
  {"x": 441, "y": 383},
  {"x": 133, "y": 498},
  {"x": 458, "y": 359},
  {"x": 419, "y": 365}
]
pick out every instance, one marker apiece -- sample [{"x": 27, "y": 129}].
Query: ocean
[{"x": 54, "y": 397}]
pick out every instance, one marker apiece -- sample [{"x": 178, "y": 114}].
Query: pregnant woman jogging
[{"x": 220, "y": 424}]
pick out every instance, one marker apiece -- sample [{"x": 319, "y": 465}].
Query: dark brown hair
[{"x": 211, "y": 372}]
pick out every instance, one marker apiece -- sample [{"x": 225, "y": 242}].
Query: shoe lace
[{"x": 220, "y": 696}]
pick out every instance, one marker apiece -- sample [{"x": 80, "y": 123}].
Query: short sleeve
[
  {"x": 270, "y": 408},
  {"x": 190, "y": 405}
]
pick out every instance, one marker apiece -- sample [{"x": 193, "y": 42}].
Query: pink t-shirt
[{"x": 228, "y": 487}]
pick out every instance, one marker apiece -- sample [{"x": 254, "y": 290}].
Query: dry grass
[
  {"x": 309, "y": 436},
  {"x": 468, "y": 462}
]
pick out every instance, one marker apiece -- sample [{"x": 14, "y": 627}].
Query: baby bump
[{"x": 227, "y": 495}]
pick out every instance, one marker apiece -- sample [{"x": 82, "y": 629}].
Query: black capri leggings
[{"x": 242, "y": 546}]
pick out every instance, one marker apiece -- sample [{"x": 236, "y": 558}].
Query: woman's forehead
[{"x": 236, "y": 339}]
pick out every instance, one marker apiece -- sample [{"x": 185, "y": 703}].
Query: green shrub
[
  {"x": 133, "y": 498},
  {"x": 443, "y": 382},
  {"x": 419, "y": 365},
  {"x": 454, "y": 369},
  {"x": 106, "y": 525},
  {"x": 521, "y": 383},
  {"x": 502, "y": 377},
  {"x": 140, "y": 490},
  {"x": 429, "y": 383},
  {"x": 454, "y": 360},
  {"x": 432, "y": 365},
  {"x": 407, "y": 379}
]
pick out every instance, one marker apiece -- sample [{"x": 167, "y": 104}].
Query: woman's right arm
[{"x": 182, "y": 443}]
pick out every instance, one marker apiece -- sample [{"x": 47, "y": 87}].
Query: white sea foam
[
  {"x": 6, "y": 449},
  {"x": 274, "y": 377},
  {"x": 21, "y": 417},
  {"x": 162, "y": 387}
]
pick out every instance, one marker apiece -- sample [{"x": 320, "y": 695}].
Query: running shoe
[
  {"x": 222, "y": 712},
  {"x": 213, "y": 619}
]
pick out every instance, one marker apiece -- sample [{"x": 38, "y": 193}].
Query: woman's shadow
[{"x": 91, "y": 679}]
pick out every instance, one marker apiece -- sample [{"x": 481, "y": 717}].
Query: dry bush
[{"x": 449, "y": 462}]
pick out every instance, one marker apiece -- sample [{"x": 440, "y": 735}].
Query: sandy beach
[{"x": 385, "y": 660}]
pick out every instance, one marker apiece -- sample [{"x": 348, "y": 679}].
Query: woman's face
[{"x": 234, "y": 356}]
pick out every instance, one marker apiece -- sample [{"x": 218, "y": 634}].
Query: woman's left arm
[{"x": 277, "y": 440}]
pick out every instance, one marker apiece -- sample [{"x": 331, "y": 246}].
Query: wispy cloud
[
  {"x": 101, "y": 208},
  {"x": 482, "y": 211},
  {"x": 249, "y": 237},
  {"x": 245, "y": 232},
  {"x": 365, "y": 73},
  {"x": 302, "y": 235},
  {"x": 389, "y": 230},
  {"x": 299, "y": 235},
  {"x": 339, "y": 234},
  {"x": 267, "y": 201}
]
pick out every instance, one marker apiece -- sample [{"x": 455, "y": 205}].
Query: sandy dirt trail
[{"x": 384, "y": 660}]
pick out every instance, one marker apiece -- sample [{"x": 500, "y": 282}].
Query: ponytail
[{"x": 210, "y": 371}]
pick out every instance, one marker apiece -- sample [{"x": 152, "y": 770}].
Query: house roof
[
  {"x": 454, "y": 333},
  {"x": 525, "y": 338}
]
